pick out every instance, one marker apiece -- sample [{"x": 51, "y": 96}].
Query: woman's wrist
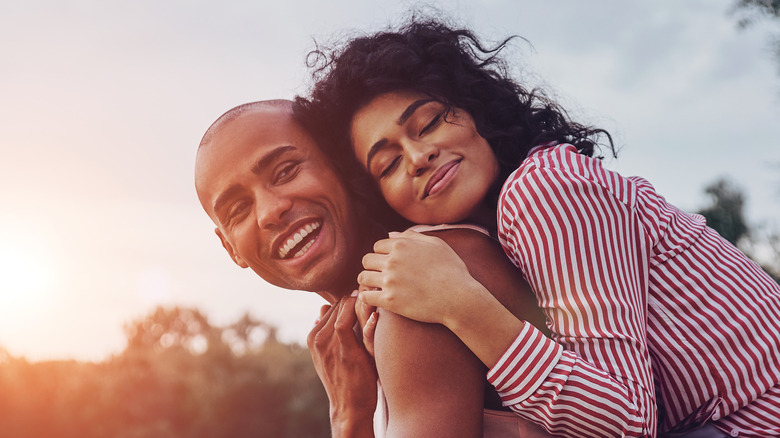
[
  {"x": 484, "y": 325},
  {"x": 469, "y": 299}
]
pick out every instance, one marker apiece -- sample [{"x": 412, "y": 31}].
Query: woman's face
[{"x": 432, "y": 167}]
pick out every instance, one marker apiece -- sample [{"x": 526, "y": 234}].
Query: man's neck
[{"x": 347, "y": 281}]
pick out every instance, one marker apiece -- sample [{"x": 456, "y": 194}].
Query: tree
[
  {"x": 749, "y": 12},
  {"x": 725, "y": 211},
  {"x": 725, "y": 215},
  {"x": 179, "y": 376}
]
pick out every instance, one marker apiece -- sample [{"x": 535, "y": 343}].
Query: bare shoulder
[{"x": 434, "y": 385}]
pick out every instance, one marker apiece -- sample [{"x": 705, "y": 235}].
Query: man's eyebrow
[
  {"x": 376, "y": 147},
  {"x": 258, "y": 167}
]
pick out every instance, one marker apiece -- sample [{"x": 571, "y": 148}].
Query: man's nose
[
  {"x": 419, "y": 156},
  {"x": 271, "y": 210}
]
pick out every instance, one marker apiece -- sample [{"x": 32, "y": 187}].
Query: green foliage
[
  {"x": 725, "y": 215},
  {"x": 751, "y": 10},
  {"x": 725, "y": 211},
  {"x": 748, "y": 12},
  {"x": 178, "y": 377}
]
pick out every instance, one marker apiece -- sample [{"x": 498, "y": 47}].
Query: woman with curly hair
[{"x": 657, "y": 323}]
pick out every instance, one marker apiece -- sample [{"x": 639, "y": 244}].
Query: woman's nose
[{"x": 420, "y": 156}]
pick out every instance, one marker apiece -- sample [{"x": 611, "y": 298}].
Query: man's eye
[
  {"x": 390, "y": 167},
  {"x": 286, "y": 172},
  {"x": 238, "y": 211},
  {"x": 432, "y": 124}
]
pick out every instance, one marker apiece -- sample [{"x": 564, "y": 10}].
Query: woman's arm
[
  {"x": 560, "y": 390},
  {"x": 460, "y": 278}
]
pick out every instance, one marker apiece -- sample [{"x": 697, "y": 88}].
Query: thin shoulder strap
[{"x": 427, "y": 228}]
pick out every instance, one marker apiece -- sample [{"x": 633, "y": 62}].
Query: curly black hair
[{"x": 450, "y": 65}]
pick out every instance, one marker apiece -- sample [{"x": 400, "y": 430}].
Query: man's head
[{"x": 279, "y": 206}]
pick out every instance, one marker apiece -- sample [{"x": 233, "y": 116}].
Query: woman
[{"x": 623, "y": 292}]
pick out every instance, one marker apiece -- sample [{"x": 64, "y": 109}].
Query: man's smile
[{"x": 300, "y": 238}]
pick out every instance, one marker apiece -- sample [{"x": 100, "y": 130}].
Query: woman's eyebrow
[
  {"x": 410, "y": 110},
  {"x": 376, "y": 147}
]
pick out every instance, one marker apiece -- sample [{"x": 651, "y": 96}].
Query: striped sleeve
[{"x": 582, "y": 249}]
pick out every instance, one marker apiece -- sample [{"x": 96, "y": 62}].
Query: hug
[{"x": 533, "y": 293}]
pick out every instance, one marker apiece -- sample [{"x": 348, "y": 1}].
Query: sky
[{"x": 103, "y": 103}]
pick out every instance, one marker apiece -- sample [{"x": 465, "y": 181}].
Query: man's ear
[{"x": 229, "y": 248}]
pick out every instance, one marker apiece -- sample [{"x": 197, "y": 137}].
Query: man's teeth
[{"x": 297, "y": 238}]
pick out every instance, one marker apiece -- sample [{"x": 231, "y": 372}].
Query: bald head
[{"x": 280, "y": 105}]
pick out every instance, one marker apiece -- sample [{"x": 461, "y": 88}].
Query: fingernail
[
  {"x": 354, "y": 293},
  {"x": 316, "y": 321},
  {"x": 393, "y": 233},
  {"x": 372, "y": 318}
]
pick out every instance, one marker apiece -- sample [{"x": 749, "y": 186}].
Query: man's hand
[{"x": 346, "y": 369}]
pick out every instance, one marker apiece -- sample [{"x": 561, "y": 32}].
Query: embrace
[{"x": 485, "y": 275}]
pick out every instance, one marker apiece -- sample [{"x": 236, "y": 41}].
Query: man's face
[{"x": 279, "y": 206}]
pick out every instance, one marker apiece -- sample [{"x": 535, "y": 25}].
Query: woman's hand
[
  {"x": 346, "y": 369},
  {"x": 417, "y": 276}
]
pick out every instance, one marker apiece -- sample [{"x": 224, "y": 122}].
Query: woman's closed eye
[
  {"x": 431, "y": 124},
  {"x": 390, "y": 167}
]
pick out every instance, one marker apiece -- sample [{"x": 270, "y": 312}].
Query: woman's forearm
[{"x": 483, "y": 323}]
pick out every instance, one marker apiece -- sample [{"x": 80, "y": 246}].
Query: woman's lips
[{"x": 441, "y": 178}]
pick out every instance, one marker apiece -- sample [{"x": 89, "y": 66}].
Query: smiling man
[
  {"x": 281, "y": 208},
  {"x": 278, "y": 204}
]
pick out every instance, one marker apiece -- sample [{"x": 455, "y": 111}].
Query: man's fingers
[
  {"x": 324, "y": 326},
  {"x": 346, "y": 317},
  {"x": 369, "y": 328},
  {"x": 363, "y": 311},
  {"x": 323, "y": 310}
]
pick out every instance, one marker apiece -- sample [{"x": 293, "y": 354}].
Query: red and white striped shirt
[{"x": 657, "y": 321}]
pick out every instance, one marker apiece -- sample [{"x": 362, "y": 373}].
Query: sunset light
[{"x": 26, "y": 281}]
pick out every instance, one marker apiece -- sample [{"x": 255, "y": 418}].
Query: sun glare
[{"x": 25, "y": 284}]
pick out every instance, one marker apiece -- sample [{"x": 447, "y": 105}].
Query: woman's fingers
[
  {"x": 371, "y": 280},
  {"x": 374, "y": 262},
  {"x": 374, "y": 298}
]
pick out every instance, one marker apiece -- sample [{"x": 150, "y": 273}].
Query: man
[{"x": 281, "y": 209}]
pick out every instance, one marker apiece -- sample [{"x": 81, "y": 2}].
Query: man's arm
[{"x": 346, "y": 370}]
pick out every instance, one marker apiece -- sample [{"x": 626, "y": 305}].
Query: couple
[{"x": 650, "y": 323}]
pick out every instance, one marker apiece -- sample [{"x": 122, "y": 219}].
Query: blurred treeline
[{"x": 179, "y": 376}]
